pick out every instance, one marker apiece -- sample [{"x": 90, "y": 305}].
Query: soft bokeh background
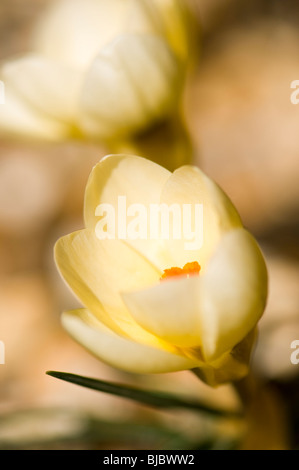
[{"x": 245, "y": 132}]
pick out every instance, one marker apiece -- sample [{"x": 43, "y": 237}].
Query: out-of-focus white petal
[
  {"x": 120, "y": 352},
  {"x": 168, "y": 18},
  {"x": 179, "y": 26},
  {"x": 73, "y": 31},
  {"x": 47, "y": 86},
  {"x": 145, "y": 18},
  {"x": 19, "y": 119},
  {"x": 233, "y": 293},
  {"x": 133, "y": 82}
]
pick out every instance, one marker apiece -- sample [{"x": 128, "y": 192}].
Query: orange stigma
[{"x": 190, "y": 269}]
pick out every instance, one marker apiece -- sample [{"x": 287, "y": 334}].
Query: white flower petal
[
  {"x": 214, "y": 311},
  {"x": 116, "y": 100},
  {"x": 97, "y": 271},
  {"x": 231, "y": 366},
  {"x": 73, "y": 31},
  {"x": 140, "y": 181},
  {"x": 47, "y": 86},
  {"x": 234, "y": 292},
  {"x": 118, "y": 351},
  {"x": 169, "y": 18},
  {"x": 19, "y": 119},
  {"x": 179, "y": 26},
  {"x": 189, "y": 185},
  {"x": 169, "y": 310},
  {"x": 79, "y": 266}
]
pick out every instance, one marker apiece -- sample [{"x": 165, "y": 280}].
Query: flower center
[{"x": 189, "y": 269}]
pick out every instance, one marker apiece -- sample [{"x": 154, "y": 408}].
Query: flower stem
[{"x": 246, "y": 390}]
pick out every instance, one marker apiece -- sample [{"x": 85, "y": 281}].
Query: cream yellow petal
[
  {"x": 189, "y": 186},
  {"x": 118, "y": 351},
  {"x": 73, "y": 31},
  {"x": 234, "y": 292},
  {"x": 45, "y": 85},
  {"x": 75, "y": 261},
  {"x": 97, "y": 271},
  {"x": 19, "y": 119},
  {"x": 140, "y": 181},
  {"x": 214, "y": 311},
  {"x": 169, "y": 310},
  {"x": 232, "y": 366},
  {"x": 132, "y": 83}
]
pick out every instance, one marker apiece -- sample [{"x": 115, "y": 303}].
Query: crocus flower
[
  {"x": 100, "y": 69},
  {"x": 151, "y": 304}
]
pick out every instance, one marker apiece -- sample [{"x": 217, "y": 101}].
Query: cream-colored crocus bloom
[
  {"x": 151, "y": 305},
  {"x": 98, "y": 68}
]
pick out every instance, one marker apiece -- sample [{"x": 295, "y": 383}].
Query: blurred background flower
[
  {"x": 244, "y": 131},
  {"x": 107, "y": 70}
]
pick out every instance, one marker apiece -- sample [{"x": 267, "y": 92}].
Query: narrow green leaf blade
[{"x": 146, "y": 397}]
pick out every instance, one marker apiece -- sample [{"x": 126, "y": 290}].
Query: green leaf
[{"x": 146, "y": 397}]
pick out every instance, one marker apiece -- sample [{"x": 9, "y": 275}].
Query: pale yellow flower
[
  {"x": 98, "y": 68},
  {"x": 135, "y": 321}
]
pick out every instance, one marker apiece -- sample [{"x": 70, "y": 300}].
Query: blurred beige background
[{"x": 245, "y": 132}]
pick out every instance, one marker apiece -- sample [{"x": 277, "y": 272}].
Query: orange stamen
[{"x": 189, "y": 269}]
